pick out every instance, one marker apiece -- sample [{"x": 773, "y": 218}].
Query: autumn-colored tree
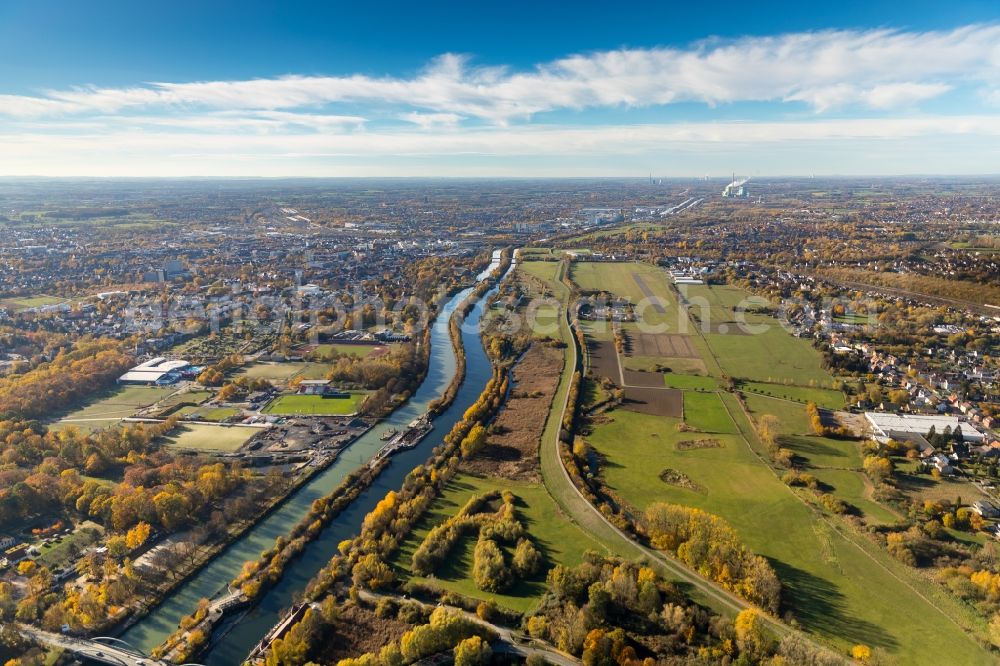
[
  {"x": 861, "y": 653},
  {"x": 137, "y": 535},
  {"x": 751, "y": 637},
  {"x": 878, "y": 468},
  {"x": 473, "y": 651}
]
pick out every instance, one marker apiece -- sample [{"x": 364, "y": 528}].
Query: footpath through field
[{"x": 586, "y": 515}]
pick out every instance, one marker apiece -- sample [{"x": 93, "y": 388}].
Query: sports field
[
  {"x": 280, "y": 372},
  {"x": 19, "y": 303},
  {"x": 360, "y": 351},
  {"x": 316, "y": 405},
  {"x": 207, "y": 413},
  {"x": 201, "y": 437},
  {"x": 193, "y": 397},
  {"x": 560, "y": 541},
  {"x": 114, "y": 405}
]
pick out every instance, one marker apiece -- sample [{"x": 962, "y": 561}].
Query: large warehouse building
[
  {"x": 896, "y": 426},
  {"x": 157, "y": 371}
]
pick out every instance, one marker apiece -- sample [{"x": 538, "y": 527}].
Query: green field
[
  {"x": 278, "y": 372},
  {"x": 770, "y": 356},
  {"x": 559, "y": 540},
  {"x": 706, "y": 412},
  {"x": 614, "y": 231},
  {"x": 619, "y": 279},
  {"x": 207, "y": 413},
  {"x": 345, "y": 350},
  {"x": 199, "y": 437},
  {"x": 543, "y": 270},
  {"x": 528, "y": 252},
  {"x": 838, "y": 585},
  {"x": 797, "y": 434},
  {"x": 715, "y": 303},
  {"x": 542, "y": 316},
  {"x": 855, "y": 318},
  {"x": 316, "y": 404},
  {"x": 762, "y": 350},
  {"x": 114, "y": 405},
  {"x": 26, "y": 302},
  {"x": 837, "y": 463},
  {"x": 833, "y": 587},
  {"x": 282, "y": 373},
  {"x": 965, "y": 245},
  {"x": 315, "y": 371},
  {"x": 824, "y": 398},
  {"x": 194, "y": 397}
]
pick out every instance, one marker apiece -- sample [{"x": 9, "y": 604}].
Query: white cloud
[
  {"x": 432, "y": 120},
  {"x": 884, "y": 96},
  {"x": 300, "y": 125},
  {"x": 875, "y": 68},
  {"x": 235, "y": 122}
]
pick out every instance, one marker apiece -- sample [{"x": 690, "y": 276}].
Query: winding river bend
[{"x": 242, "y": 631}]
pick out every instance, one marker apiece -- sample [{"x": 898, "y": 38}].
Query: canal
[{"x": 242, "y": 631}]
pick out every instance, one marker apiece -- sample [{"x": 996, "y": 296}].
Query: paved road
[
  {"x": 573, "y": 502},
  {"x": 115, "y": 655},
  {"x": 510, "y": 641}
]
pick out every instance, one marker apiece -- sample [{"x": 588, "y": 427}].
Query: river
[{"x": 242, "y": 631}]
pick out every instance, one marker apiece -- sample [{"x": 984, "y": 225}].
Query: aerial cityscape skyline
[{"x": 499, "y": 333}]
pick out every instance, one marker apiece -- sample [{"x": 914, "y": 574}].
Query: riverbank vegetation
[{"x": 256, "y": 576}]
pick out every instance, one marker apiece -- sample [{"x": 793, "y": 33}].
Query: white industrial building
[
  {"x": 895, "y": 426},
  {"x": 154, "y": 371}
]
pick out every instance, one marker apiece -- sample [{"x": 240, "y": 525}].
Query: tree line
[{"x": 89, "y": 367}]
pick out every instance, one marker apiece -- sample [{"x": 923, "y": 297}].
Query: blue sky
[{"x": 489, "y": 88}]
